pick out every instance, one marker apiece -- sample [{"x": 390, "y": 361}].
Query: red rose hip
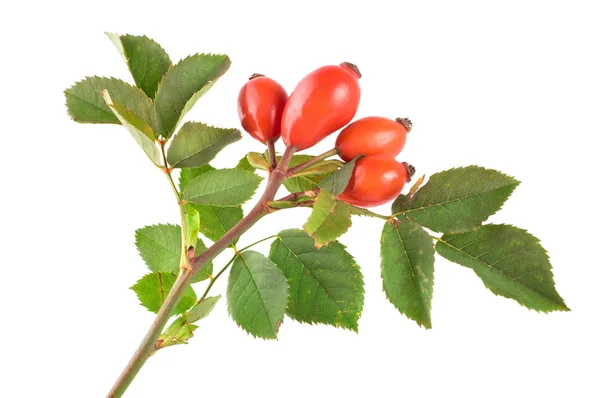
[
  {"x": 324, "y": 101},
  {"x": 373, "y": 135},
  {"x": 260, "y": 106},
  {"x": 376, "y": 180}
]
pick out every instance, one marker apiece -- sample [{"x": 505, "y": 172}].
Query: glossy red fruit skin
[
  {"x": 375, "y": 180},
  {"x": 373, "y": 135},
  {"x": 260, "y": 105},
  {"x": 324, "y": 101}
]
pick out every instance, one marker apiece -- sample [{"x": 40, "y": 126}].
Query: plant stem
[
  {"x": 272, "y": 154},
  {"x": 213, "y": 280},
  {"x": 316, "y": 159},
  {"x": 147, "y": 346}
]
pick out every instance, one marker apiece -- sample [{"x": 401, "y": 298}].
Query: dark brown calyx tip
[
  {"x": 410, "y": 169},
  {"x": 352, "y": 67},
  {"x": 405, "y": 122},
  {"x": 255, "y": 75}
]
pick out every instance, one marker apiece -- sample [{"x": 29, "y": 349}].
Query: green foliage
[
  {"x": 179, "y": 332},
  {"x": 323, "y": 168},
  {"x": 337, "y": 182},
  {"x": 244, "y": 164},
  {"x": 160, "y": 248},
  {"x": 226, "y": 187},
  {"x": 510, "y": 262},
  {"x": 304, "y": 182},
  {"x": 183, "y": 85},
  {"x": 146, "y": 59},
  {"x": 257, "y": 161},
  {"x": 140, "y": 131},
  {"x": 202, "y": 309},
  {"x": 257, "y": 294},
  {"x": 407, "y": 257},
  {"x": 152, "y": 290},
  {"x": 326, "y": 284},
  {"x": 196, "y": 144},
  {"x": 86, "y": 105},
  {"x": 458, "y": 199},
  {"x": 188, "y": 174},
  {"x": 216, "y": 221},
  {"x": 330, "y": 219}
]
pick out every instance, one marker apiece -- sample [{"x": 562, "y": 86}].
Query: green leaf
[
  {"x": 160, "y": 248},
  {"x": 179, "y": 332},
  {"x": 86, "y": 105},
  {"x": 510, "y": 262},
  {"x": 330, "y": 219},
  {"x": 243, "y": 164},
  {"x": 203, "y": 308},
  {"x": 300, "y": 183},
  {"x": 188, "y": 174},
  {"x": 216, "y": 221},
  {"x": 257, "y": 294},
  {"x": 140, "y": 131},
  {"x": 152, "y": 290},
  {"x": 226, "y": 187},
  {"x": 257, "y": 161},
  {"x": 323, "y": 168},
  {"x": 458, "y": 199},
  {"x": 196, "y": 144},
  {"x": 146, "y": 59},
  {"x": 206, "y": 271},
  {"x": 337, "y": 182},
  {"x": 326, "y": 284},
  {"x": 407, "y": 257},
  {"x": 183, "y": 85}
]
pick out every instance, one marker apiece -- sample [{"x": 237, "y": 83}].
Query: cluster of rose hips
[{"x": 323, "y": 102}]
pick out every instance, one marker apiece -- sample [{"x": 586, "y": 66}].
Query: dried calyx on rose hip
[
  {"x": 260, "y": 105},
  {"x": 376, "y": 180},
  {"x": 324, "y": 101},
  {"x": 373, "y": 135}
]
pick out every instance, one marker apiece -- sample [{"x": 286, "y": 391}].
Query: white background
[{"x": 513, "y": 86}]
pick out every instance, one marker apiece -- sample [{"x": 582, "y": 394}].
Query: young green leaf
[
  {"x": 140, "y": 131},
  {"x": 179, "y": 332},
  {"x": 458, "y": 199},
  {"x": 257, "y": 294},
  {"x": 304, "y": 182},
  {"x": 257, "y": 161},
  {"x": 86, "y": 105},
  {"x": 216, "y": 221},
  {"x": 326, "y": 284},
  {"x": 160, "y": 248},
  {"x": 323, "y": 168},
  {"x": 510, "y": 262},
  {"x": 337, "y": 182},
  {"x": 146, "y": 59},
  {"x": 152, "y": 290},
  {"x": 407, "y": 257},
  {"x": 226, "y": 187},
  {"x": 196, "y": 144},
  {"x": 183, "y": 85},
  {"x": 330, "y": 219},
  {"x": 203, "y": 308}
]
